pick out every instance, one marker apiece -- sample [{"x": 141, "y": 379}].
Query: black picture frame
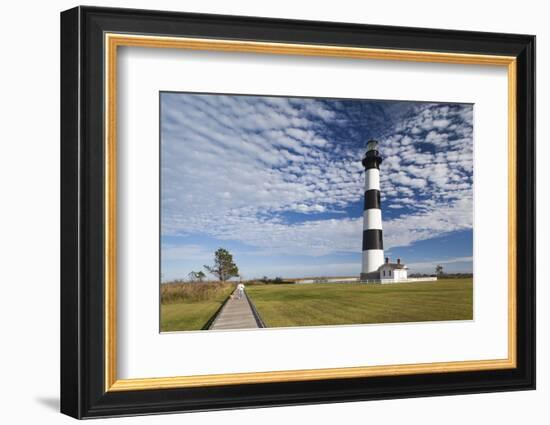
[{"x": 83, "y": 392}]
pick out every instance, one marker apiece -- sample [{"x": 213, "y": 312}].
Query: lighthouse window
[
  {"x": 390, "y": 273},
  {"x": 383, "y": 272}
]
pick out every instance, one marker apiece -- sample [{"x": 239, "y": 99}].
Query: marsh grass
[
  {"x": 189, "y": 306},
  {"x": 172, "y": 293}
]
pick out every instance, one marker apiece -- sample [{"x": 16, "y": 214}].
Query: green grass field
[
  {"x": 191, "y": 315},
  {"x": 337, "y": 304}
]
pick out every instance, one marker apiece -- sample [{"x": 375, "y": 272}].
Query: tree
[
  {"x": 439, "y": 269},
  {"x": 224, "y": 268},
  {"x": 194, "y": 276}
]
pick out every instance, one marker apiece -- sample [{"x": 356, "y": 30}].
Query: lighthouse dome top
[
  {"x": 372, "y": 158},
  {"x": 372, "y": 145}
]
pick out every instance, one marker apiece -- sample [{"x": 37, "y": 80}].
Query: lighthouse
[{"x": 373, "y": 249}]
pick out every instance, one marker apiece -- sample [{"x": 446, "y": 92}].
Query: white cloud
[
  {"x": 232, "y": 164},
  {"x": 322, "y": 237},
  {"x": 441, "y": 123},
  {"x": 189, "y": 252},
  {"x": 436, "y": 221},
  {"x": 404, "y": 179}
]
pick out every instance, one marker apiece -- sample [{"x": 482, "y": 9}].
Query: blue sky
[{"x": 279, "y": 182}]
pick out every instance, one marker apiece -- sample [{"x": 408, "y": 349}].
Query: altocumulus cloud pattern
[{"x": 279, "y": 181}]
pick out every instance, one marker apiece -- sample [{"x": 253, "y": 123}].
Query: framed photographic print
[{"x": 261, "y": 212}]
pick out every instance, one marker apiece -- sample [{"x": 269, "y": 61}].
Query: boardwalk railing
[{"x": 257, "y": 316}]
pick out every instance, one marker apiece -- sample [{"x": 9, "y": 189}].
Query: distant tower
[{"x": 373, "y": 250}]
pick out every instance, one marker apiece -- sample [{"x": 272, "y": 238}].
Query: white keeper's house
[{"x": 392, "y": 272}]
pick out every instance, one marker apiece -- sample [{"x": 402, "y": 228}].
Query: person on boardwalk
[{"x": 240, "y": 290}]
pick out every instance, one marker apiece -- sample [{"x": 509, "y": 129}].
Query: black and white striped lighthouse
[{"x": 373, "y": 249}]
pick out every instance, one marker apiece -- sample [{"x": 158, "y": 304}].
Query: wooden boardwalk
[{"x": 235, "y": 314}]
